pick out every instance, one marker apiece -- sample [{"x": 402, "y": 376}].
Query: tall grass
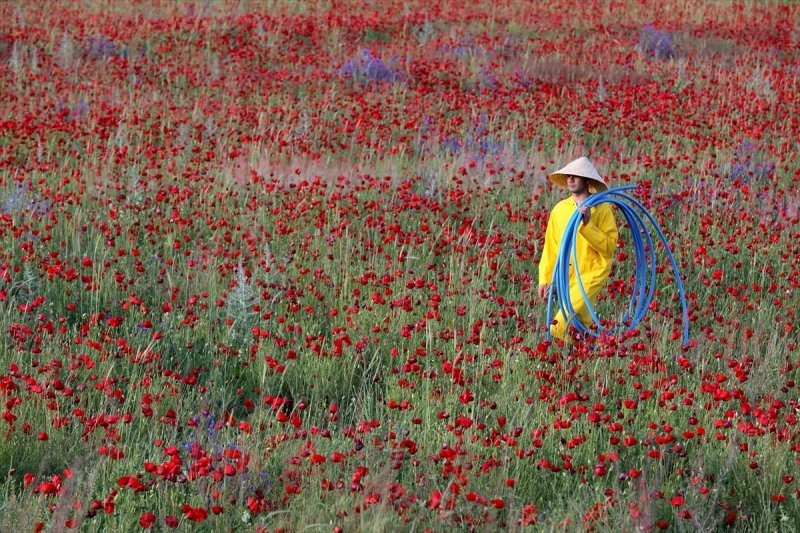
[{"x": 244, "y": 274}]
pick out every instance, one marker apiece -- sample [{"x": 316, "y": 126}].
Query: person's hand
[
  {"x": 542, "y": 291},
  {"x": 586, "y": 213}
]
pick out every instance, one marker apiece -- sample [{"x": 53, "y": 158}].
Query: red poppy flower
[{"x": 147, "y": 520}]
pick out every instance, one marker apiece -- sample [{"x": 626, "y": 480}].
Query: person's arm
[
  {"x": 547, "y": 262},
  {"x": 601, "y": 232}
]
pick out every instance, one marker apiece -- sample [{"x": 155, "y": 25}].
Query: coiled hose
[{"x": 644, "y": 266}]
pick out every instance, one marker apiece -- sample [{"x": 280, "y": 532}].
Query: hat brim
[{"x": 595, "y": 186}]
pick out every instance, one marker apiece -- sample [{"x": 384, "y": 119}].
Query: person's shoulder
[{"x": 564, "y": 203}]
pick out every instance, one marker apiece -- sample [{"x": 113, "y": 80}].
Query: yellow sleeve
[
  {"x": 601, "y": 232},
  {"x": 547, "y": 263}
]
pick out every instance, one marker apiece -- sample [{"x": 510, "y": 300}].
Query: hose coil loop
[{"x": 644, "y": 267}]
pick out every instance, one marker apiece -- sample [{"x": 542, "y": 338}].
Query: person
[{"x": 596, "y": 241}]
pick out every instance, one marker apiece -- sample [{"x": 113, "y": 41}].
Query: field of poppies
[{"x": 271, "y": 266}]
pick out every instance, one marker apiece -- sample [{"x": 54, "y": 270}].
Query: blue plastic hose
[{"x": 644, "y": 267}]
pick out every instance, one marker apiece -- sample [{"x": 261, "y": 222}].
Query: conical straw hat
[{"x": 580, "y": 167}]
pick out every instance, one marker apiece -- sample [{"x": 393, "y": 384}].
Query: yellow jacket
[{"x": 595, "y": 242}]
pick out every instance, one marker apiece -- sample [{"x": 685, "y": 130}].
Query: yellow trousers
[{"x": 560, "y": 328}]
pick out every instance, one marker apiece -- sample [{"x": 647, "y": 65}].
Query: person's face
[{"x": 577, "y": 185}]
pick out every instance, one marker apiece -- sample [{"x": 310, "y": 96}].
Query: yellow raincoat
[{"x": 595, "y": 242}]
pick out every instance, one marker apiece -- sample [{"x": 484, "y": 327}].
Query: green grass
[{"x": 390, "y": 278}]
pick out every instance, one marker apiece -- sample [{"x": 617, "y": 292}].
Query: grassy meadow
[{"x": 272, "y": 266}]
